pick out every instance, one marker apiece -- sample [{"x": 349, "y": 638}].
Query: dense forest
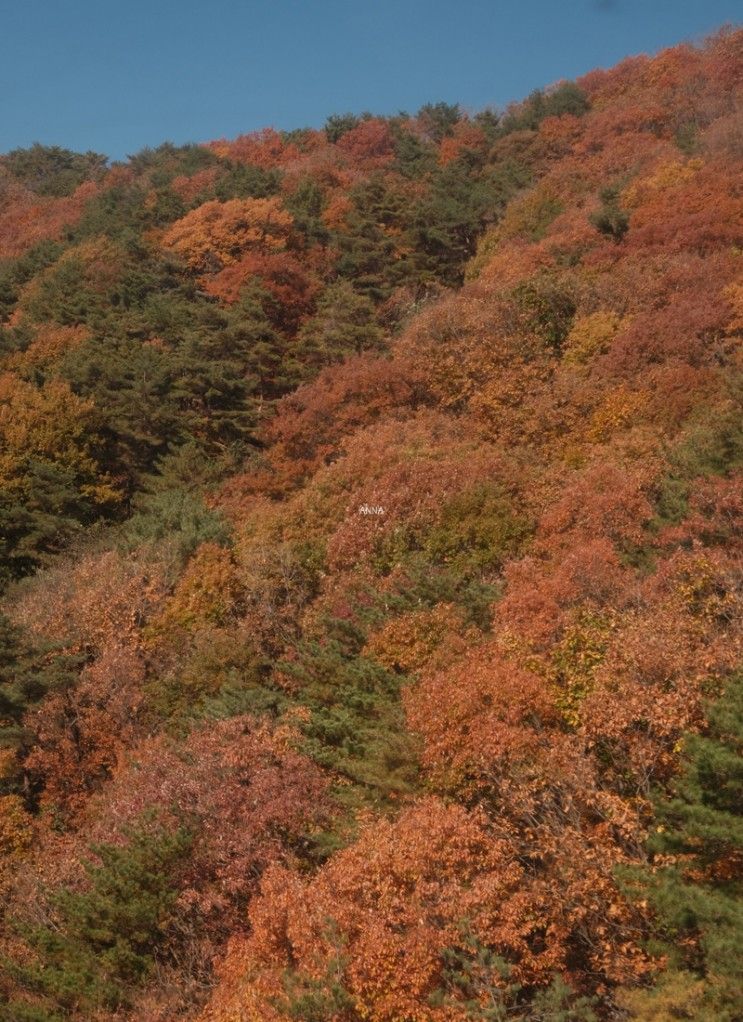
[{"x": 370, "y": 552}]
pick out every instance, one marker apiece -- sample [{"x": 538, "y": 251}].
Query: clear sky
[{"x": 118, "y": 75}]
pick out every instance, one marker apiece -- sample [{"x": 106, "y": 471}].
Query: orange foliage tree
[{"x": 217, "y": 234}]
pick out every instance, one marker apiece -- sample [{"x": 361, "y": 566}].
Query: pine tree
[
  {"x": 255, "y": 348},
  {"x": 344, "y": 325},
  {"x": 104, "y": 939},
  {"x": 27, "y": 674},
  {"x": 370, "y": 248},
  {"x": 697, "y": 880}
]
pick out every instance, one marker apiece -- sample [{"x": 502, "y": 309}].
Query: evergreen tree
[
  {"x": 39, "y": 514},
  {"x": 51, "y": 170},
  {"x": 103, "y": 940},
  {"x": 306, "y": 204},
  {"x": 343, "y": 325},
  {"x": 27, "y": 674},
  {"x": 133, "y": 386},
  {"x": 254, "y": 347},
  {"x": 566, "y": 98},
  {"x": 246, "y": 181},
  {"x": 337, "y": 125},
  {"x": 445, "y": 225},
  {"x": 167, "y": 160},
  {"x": 438, "y": 119},
  {"x": 414, "y": 158},
  {"x": 370, "y": 255},
  {"x": 696, "y": 882},
  {"x": 19, "y": 684},
  {"x": 14, "y": 273},
  {"x": 611, "y": 219}
]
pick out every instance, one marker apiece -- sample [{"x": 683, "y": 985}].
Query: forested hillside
[{"x": 370, "y": 551}]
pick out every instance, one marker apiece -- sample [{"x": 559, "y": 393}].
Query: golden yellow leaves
[
  {"x": 50, "y": 343},
  {"x": 207, "y": 592},
  {"x": 15, "y": 826},
  {"x": 217, "y": 234},
  {"x": 590, "y": 336},
  {"x": 413, "y": 641},
  {"x": 49, "y": 423},
  {"x": 575, "y": 658},
  {"x": 666, "y": 177}
]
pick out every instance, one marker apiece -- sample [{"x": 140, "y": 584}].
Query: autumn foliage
[{"x": 370, "y": 536}]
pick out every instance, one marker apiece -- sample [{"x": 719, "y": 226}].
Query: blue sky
[{"x": 118, "y": 75}]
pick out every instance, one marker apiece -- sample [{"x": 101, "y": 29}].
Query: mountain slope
[{"x": 371, "y": 509}]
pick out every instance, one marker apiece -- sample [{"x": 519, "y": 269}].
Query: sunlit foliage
[{"x": 370, "y": 542}]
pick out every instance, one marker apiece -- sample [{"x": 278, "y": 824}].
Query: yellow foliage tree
[
  {"x": 217, "y": 234},
  {"x": 52, "y": 424},
  {"x": 589, "y": 336},
  {"x": 421, "y": 639},
  {"x": 206, "y": 594},
  {"x": 15, "y": 826},
  {"x": 50, "y": 343}
]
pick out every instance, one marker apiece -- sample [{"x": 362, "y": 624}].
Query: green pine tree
[
  {"x": 697, "y": 895},
  {"x": 343, "y": 325},
  {"x": 103, "y": 940}
]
